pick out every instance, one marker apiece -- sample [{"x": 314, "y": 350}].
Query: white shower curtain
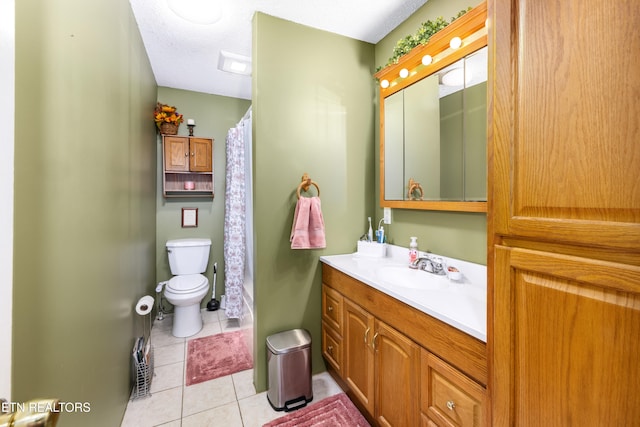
[{"x": 235, "y": 239}]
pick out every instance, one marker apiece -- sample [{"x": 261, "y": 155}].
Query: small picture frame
[{"x": 189, "y": 217}]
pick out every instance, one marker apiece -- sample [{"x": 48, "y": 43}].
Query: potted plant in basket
[{"x": 167, "y": 119}]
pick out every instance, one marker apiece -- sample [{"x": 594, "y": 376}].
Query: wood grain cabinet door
[
  {"x": 358, "y": 365},
  {"x": 176, "y": 153},
  {"x": 200, "y": 155},
  {"x": 567, "y": 341},
  {"x": 566, "y": 121},
  {"x": 397, "y": 363}
]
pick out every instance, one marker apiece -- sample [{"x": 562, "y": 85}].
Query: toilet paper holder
[{"x": 143, "y": 359}]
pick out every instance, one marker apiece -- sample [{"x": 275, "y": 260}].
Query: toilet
[{"x": 188, "y": 258}]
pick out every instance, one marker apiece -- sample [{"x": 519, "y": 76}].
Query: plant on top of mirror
[{"x": 421, "y": 37}]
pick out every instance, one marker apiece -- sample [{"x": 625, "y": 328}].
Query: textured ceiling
[{"x": 184, "y": 55}]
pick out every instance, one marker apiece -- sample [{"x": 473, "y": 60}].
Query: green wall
[
  {"x": 214, "y": 115},
  {"x": 312, "y": 112},
  {"x": 455, "y": 234},
  {"x": 84, "y": 245}
]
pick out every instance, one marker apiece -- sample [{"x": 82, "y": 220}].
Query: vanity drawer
[
  {"x": 448, "y": 397},
  {"x": 332, "y": 308},
  {"x": 332, "y": 347}
]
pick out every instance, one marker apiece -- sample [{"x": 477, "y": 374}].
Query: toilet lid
[{"x": 187, "y": 283}]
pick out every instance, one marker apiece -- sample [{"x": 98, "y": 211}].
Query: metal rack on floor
[{"x": 143, "y": 352}]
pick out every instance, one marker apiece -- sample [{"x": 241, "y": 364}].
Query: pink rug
[
  {"x": 216, "y": 356},
  {"x": 334, "y": 411}
]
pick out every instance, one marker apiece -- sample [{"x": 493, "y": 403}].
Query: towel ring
[
  {"x": 413, "y": 187},
  {"x": 306, "y": 183}
]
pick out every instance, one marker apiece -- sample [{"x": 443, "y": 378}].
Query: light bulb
[
  {"x": 427, "y": 59},
  {"x": 455, "y": 43},
  {"x": 404, "y": 73},
  {"x": 384, "y": 84}
]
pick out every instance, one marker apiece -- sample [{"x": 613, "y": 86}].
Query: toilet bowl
[
  {"x": 188, "y": 258},
  {"x": 186, "y": 293}
]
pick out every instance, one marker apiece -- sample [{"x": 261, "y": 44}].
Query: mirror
[{"x": 435, "y": 134}]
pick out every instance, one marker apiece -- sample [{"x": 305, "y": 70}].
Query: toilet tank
[{"x": 188, "y": 256}]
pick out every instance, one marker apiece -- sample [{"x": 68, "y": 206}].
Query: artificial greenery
[{"x": 421, "y": 37}]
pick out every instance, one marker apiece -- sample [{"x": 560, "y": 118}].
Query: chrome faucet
[{"x": 429, "y": 264}]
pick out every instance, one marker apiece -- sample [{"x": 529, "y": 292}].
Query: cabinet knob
[
  {"x": 373, "y": 341},
  {"x": 330, "y": 308},
  {"x": 186, "y": 154},
  {"x": 366, "y": 336},
  {"x": 330, "y": 349},
  {"x": 192, "y": 154},
  {"x": 451, "y": 405}
]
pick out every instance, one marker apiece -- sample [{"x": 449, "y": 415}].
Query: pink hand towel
[{"x": 307, "y": 231}]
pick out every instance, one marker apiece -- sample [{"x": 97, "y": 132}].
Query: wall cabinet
[
  {"x": 564, "y": 240},
  {"x": 382, "y": 368},
  {"x": 187, "y": 159}
]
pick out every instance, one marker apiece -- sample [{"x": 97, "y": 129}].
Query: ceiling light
[
  {"x": 427, "y": 59},
  {"x": 205, "y": 12},
  {"x": 384, "y": 84},
  {"x": 456, "y": 77},
  {"x": 455, "y": 43},
  {"x": 404, "y": 73},
  {"x": 234, "y": 63}
]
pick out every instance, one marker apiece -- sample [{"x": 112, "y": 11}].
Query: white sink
[{"x": 406, "y": 277}]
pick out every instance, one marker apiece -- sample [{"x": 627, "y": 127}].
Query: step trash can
[{"x": 289, "y": 370}]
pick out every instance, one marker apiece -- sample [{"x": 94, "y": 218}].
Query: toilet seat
[{"x": 187, "y": 283}]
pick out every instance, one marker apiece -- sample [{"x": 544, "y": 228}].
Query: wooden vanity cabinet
[
  {"x": 382, "y": 368},
  {"x": 185, "y": 159}
]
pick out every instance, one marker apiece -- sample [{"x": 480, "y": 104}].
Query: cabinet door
[
  {"x": 358, "y": 354},
  {"x": 200, "y": 155},
  {"x": 396, "y": 371},
  {"x": 176, "y": 153},
  {"x": 565, "y": 136},
  {"x": 566, "y": 340}
]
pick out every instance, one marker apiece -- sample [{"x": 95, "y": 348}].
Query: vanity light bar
[{"x": 462, "y": 35}]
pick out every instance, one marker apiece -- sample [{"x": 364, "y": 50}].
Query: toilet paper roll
[{"x": 145, "y": 305}]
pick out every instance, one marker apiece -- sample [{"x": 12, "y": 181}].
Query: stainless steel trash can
[{"x": 289, "y": 365}]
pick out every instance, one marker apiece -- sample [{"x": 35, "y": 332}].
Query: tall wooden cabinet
[
  {"x": 187, "y": 159},
  {"x": 564, "y": 213}
]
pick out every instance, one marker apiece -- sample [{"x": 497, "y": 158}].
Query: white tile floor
[{"x": 228, "y": 401}]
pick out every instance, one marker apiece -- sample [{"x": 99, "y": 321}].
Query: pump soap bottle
[{"x": 413, "y": 250}]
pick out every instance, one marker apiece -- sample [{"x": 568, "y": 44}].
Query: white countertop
[{"x": 461, "y": 304}]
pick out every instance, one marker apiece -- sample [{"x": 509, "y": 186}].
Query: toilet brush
[{"x": 213, "y": 305}]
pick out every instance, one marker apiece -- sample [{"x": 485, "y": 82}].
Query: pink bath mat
[
  {"x": 334, "y": 411},
  {"x": 216, "y": 356}
]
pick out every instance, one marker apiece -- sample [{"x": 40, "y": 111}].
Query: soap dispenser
[{"x": 413, "y": 250}]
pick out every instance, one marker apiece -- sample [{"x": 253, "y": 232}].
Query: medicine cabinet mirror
[{"x": 433, "y": 122}]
